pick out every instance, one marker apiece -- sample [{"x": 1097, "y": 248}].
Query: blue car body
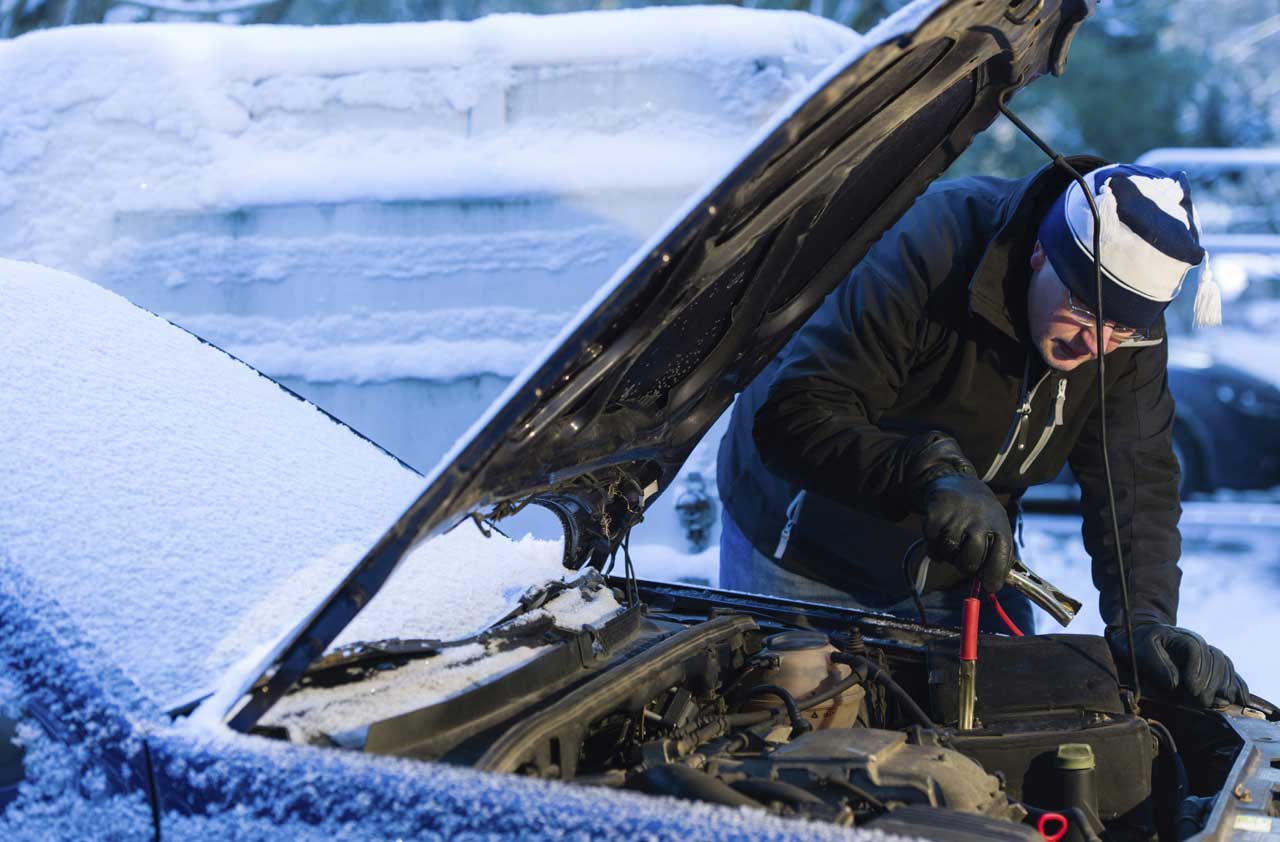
[{"x": 103, "y": 762}]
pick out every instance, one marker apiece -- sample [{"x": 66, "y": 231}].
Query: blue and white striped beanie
[{"x": 1150, "y": 244}]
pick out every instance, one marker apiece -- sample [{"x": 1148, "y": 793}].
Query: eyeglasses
[{"x": 1085, "y": 317}]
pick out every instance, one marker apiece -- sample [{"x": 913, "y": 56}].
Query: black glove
[
  {"x": 1178, "y": 661},
  {"x": 964, "y": 524}
]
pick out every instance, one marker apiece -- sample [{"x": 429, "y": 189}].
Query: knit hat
[{"x": 1150, "y": 244}]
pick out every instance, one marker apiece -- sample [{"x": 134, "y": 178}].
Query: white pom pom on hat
[{"x": 1207, "y": 310}]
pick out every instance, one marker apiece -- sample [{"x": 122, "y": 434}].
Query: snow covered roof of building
[{"x": 129, "y": 120}]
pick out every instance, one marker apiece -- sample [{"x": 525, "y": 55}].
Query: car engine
[{"x": 818, "y": 713}]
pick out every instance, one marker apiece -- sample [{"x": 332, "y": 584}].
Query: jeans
[{"x": 746, "y": 569}]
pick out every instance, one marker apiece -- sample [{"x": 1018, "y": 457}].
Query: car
[
  {"x": 1219, "y": 405},
  {"x": 271, "y": 628}
]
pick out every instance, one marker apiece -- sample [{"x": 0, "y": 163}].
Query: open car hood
[{"x": 603, "y": 421}]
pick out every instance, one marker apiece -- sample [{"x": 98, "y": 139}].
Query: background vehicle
[{"x": 1226, "y": 434}]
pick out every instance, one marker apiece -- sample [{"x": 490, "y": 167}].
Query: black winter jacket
[{"x": 929, "y": 333}]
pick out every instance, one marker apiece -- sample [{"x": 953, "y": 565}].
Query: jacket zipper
[
  {"x": 1017, "y": 433},
  {"x": 1051, "y": 423},
  {"x": 793, "y": 515}
]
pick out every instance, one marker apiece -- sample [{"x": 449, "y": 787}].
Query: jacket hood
[{"x": 598, "y": 426}]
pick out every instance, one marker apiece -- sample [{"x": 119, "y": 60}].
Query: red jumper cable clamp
[{"x": 969, "y": 662}]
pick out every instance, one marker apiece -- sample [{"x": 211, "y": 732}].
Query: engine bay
[{"x": 817, "y": 713}]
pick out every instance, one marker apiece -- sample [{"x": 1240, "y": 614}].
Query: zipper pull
[
  {"x": 793, "y": 515},
  {"x": 1024, "y": 412},
  {"x": 1060, "y": 403}
]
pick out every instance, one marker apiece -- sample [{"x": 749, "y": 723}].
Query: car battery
[{"x": 1035, "y": 694}]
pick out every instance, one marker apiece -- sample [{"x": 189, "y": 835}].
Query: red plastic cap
[
  {"x": 1053, "y": 836},
  {"x": 969, "y": 631}
]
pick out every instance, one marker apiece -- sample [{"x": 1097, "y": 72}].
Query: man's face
[{"x": 1064, "y": 335}]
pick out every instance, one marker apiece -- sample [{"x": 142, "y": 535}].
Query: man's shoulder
[
  {"x": 974, "y": 192},
  {"x": 947, "y": 230}
]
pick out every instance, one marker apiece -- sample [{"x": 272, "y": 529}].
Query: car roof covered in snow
[{"x": 186, "y": 511}]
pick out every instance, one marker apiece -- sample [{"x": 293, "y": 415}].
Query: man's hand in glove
[
  {"x": 964, "y": 524},
  {"x": 1177, "y": 661}
]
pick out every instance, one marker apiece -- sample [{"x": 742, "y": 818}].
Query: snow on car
[{"x": 167, "y": 514}]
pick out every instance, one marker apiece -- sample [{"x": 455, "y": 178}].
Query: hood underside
[{"x": 603, "y": 422}]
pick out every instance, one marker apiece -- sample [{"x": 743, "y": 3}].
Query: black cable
[
  {"x": 875, "y": 673},
  {"x": 1061, "y": 162},
  {"x": 756, "y": 717},
  {"x": 831, "y": 692},
  {"x": 1181, "y": 784},
  {"x": 1163, "y": 735},
  {"x": 799, "y": 725},
  {"x": 633, "y": 586},
  {"x": 493, "y": 526},
  {"x": 911, "y": 585}
]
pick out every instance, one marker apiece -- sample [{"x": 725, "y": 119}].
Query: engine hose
[
  {"x": 765, "y": 791},
  {"x": 683, "y": 782},
  {"x": 799, "y": 725},
  {"x": 857, "y": 792},
  {"x": 875, "y": 673},
  {"x": 1084, "y": 822},
  {"x": 757, "y": 717},
  {"x": 831, "y": 692},
  {"x": 738, "y": 720}
]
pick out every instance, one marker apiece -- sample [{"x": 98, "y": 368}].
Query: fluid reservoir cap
[
  {"x": 1075, "y": 756},
  {"x": 794, "y": 641}
]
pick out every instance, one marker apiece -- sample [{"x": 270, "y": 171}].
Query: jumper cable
[{"x": 969, "y": 658}]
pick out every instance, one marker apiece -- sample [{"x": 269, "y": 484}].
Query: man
[{"x": 955, "y": 367}]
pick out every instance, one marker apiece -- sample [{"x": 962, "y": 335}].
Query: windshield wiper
[{"x": 357, "y": 661}]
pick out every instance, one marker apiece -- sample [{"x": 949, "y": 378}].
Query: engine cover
[{"x": 881, "y": 762}]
